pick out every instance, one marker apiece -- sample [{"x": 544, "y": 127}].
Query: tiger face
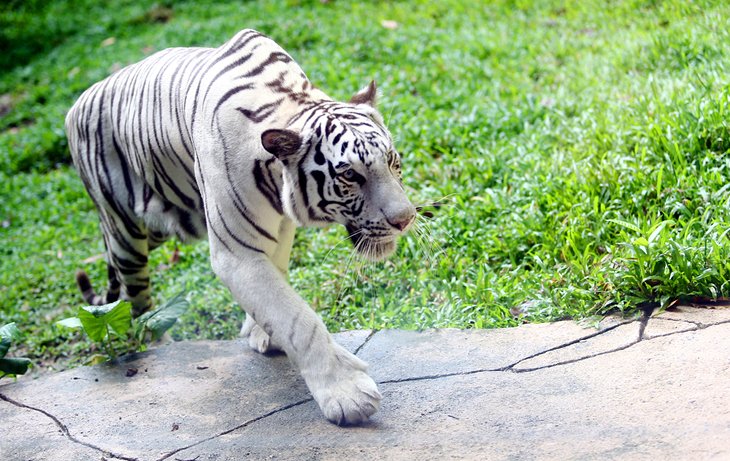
[{"x": 340, "y": 166}]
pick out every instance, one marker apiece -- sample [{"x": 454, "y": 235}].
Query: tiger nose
[{"x": 402, "y": 219}]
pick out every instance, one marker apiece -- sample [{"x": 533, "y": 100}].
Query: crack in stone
[
  {"x": 367, "y": 340},
  {"x": 510, "y": 368},
  {"x": 240, "y": 426},
  {"x": 692, "y": 322},
  {"x": 64, "y": 430},
  {"x": 569, "y": 343}
]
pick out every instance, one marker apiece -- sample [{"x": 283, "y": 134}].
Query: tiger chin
[{"x": 234, "y": 144}]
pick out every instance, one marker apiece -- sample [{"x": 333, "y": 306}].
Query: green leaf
[
  {"x": 8, "y": 333},
  {"x": 120, "y": 318},
  {"x": 100, "y": 311},
  {"x": 94, "y": 326},
  {"x": 97, "y": 319},
  {"x": 4, "y": 346},
  {"x": 164, "y": 317},
  {"x": 625, "y": 224},
  {"x": 658, "y": 228},
  {"x": 641, "y": 241},
  {"x": 16, "y": 366},
  {"x": 71, "y": 322},
  {"x": 96, "y": 359}
]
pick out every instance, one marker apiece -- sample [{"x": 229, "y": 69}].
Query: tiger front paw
[
  {"x": 346, "y": 394},
  {"x": 258, "y": 339}
]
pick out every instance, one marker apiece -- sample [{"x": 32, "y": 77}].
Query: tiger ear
[
  {"x": 281, "y": 143},
  {"x": 367, "y": 95}
]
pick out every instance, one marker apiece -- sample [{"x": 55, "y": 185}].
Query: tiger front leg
[
  {"x": 258, "y": 339},
  {"x": 336, "y": 378}
]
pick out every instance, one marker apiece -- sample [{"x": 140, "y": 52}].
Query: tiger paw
[
  {"x": 258, "y": 339},
  {"x": 346, "y": 394}
]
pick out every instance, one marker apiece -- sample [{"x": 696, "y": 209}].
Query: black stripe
[
  {"x": 260, "y": 114},
  {"x": 229, "y": 67},
  {"x": 276, "y": 56},
  {"x": 234, "y": 236},
  {"x": 266, "y": 185},
  {"x": 318, "y": 155},
  {"x": 228, "y": 95},
  {"x": 134, "y": 290},
  {"x": 161, "y": 172},
  {"x": 125, "y": 173},
  {"x": 250, "y": 34}
]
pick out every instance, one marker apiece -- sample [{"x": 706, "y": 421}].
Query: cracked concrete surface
[{"x": 652, "y": 388}]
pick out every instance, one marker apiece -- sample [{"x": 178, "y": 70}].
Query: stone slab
[
  {"x": 665, "y": 397},
  {"x": 636, "y": 404}
]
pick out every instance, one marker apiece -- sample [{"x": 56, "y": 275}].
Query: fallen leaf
[
  {"x": 175, "y": 257},
  {"x": 523, "y": 308},
  {"x": 108, "y": 41},
  {"x": 93, "y": 259},
  {"x": 547, "y": 102},
  {"x": 388, "y": 24}
]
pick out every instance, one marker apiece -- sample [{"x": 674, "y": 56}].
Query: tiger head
[{"x": 340, "y": 166}]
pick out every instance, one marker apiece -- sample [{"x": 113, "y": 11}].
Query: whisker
[
  {"x": 439, "y": 202},
  {"x": 425, "y": 242},
  {"x": 351, "y": 257},
  {"x": 338, "y": 243}
]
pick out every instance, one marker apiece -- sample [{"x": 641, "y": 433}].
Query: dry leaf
[
  {"x": 175, "y": 257},
  {"x": 547, "y": 102},
  {"x": 108, "y": 41},
  {"x": 93, "y": 259}
]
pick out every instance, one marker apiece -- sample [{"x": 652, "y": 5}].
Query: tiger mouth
[{"x": 371, "y": 247}]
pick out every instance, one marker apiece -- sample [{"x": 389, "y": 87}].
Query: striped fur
[{"x": 234, "y": 143}]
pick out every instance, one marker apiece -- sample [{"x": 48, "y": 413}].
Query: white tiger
[{"x": 235, "y": 143}]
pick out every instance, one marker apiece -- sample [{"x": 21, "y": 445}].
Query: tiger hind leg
[
  {"x": 127, "y": 247},
  {"x": 87, "y": 290}
]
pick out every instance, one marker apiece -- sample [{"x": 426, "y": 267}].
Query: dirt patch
[{"x": 6, "y": 104}]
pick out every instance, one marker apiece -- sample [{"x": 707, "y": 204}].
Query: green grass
[{"x": 579, "y": 150}]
